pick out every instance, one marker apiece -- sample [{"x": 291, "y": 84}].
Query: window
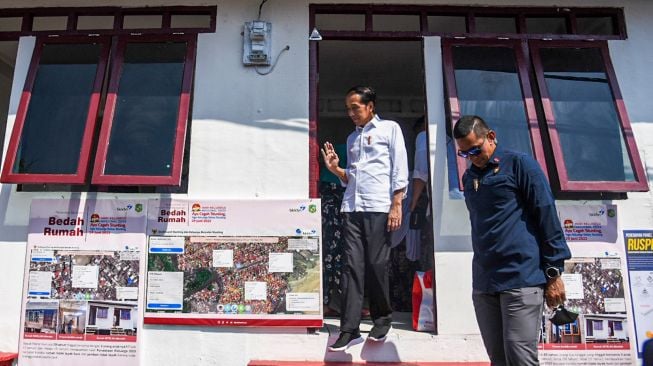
[
  {"x": 143, "y": 103},
  {"x": 102, "y": 313},
  {"x": 588, "y": 145},
  {"x": 125, "y": 314}
]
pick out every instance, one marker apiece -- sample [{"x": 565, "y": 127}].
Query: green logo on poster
[
  {"x": 138, "y": 207},
  {"x": 312, "y": 208},
  {"x": 611, "y": 213}
]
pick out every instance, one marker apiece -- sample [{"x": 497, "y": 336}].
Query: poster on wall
[
  {"x": 83, "y": 280},
  {"x": 595, "y": 291},
  {"x": 589, "y": 223},
  {"x": 234, "y": 263},
  {"x": 639, "y": 253}
]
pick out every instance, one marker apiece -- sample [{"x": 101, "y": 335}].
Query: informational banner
[
  {"x": 589, "y": 223},
  {"x": 234, "y": 263},
  {"x": 600, "y": 335},
  {"x": 639, "y": 252},
  {"x": 82, "y": 282}
]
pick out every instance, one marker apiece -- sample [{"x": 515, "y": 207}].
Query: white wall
[{"x": 250, "y": 139}]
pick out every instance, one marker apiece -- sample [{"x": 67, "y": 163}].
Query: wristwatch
[{"x": 552, "y": 272}]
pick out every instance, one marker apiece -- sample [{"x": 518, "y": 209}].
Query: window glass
[
  {"x": 496, "y": 25},
  {"x": 351, "y": 22},
  {"x": 595, "y": 25},
  {"x": 49, "y": 23},
  {"x": 488, "y": 86},
  {"x": 585, "y": 115},
  {"x": 447, "y": 24},
  {"x": 546, "y": 25},
  {"x": 95, "y": 22},
  {"x": 397, "y": 23},
  {"x": 145, "y": 121},
  {"x": 56, "y": 117},
  {"x": 142, "y": 22},
  {"x": 190, "y": 21},
  {"x": 11, "y": 24}
]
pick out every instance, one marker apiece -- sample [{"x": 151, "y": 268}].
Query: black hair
[
  {"x": 466, "y": 124},
  {"x": 367, "y": 93}
]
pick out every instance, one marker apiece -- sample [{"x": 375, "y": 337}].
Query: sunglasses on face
[{"x": 471, "y": 152}]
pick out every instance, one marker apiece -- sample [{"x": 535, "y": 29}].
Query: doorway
[{"x": 395, "y": 68}]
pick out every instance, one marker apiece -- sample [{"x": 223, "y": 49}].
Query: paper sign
[
  {"x": 85, "y": 277},
  {"x": 223, "y": 258},
  {"x": 280, "y": 262},
  {"x": 302, "y": 244},
  {"x": 302, "y": 301},
  {"x": 39, "y": 283},
  {"x": 165, "y": 290},
  {"x": 255, "y": 290},
  {"x": 573, "y": 285}
]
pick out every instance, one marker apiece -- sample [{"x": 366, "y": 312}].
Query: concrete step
[{"x": 403, "y": 346}]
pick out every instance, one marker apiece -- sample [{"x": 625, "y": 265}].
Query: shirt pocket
[{"x": 499, "y": 186}]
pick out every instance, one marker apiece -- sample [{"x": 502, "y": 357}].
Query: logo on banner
[
  {"x": 298, "y": 209},
  {"x": 138, "y": 207},
  {"x": 598, "y": 213},
  {"x": 312, "y": 208}
]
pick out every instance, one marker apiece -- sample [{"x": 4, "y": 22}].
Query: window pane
[
  {"x": 447, "y": 24},
  {"x": 351, "y": 22},
  {"x": 546, "y": 25},
  {"x": 595, "y": 25},
  {"x": 145, "y": 120},
  {"x": 142, "y": 22},
  {"x": 585, "y": 115},
  {"x": 496, "y": 25},
  {"x": 95, "y": 22},
  {"x": 190, "y": 21},
  {"x": 397, "y": 23},
  {"x": 49, "y": 23},
  {"x": 56, "y": 117},
  {"x": 488, "y": 86},
  {"x": 12, "y": 24}
]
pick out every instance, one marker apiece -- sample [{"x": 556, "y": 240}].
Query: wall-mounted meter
[{"x": 257, "y": 42}]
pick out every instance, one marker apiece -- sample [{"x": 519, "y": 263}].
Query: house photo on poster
[
  {"x": 595, "y": 291},
  {"x": 82, "y": 283}
]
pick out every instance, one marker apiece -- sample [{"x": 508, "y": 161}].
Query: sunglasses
[{"x": 471, "y": 152}]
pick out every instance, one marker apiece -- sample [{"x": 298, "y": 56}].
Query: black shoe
[
  {"x": 379, "y": 332},
  {"x": 346, "y": 340}
]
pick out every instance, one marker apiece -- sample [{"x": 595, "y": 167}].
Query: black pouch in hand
[
  {"x": 562, "y": 316},
  {"x": 418, "y": 218}
]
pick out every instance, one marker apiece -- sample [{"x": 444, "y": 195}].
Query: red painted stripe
[
  {"x": 311, "y": 323},
  {"x": 320, "y": 363}
]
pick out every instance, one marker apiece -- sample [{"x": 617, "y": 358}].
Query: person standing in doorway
[
  {"x": 376, "y": 178},
  {"x": 519, "y": 246}
]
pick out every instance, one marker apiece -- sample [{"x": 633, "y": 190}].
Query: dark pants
[
  {"x": 510, "y": 323},
  {"x": 365, "y": 268}
]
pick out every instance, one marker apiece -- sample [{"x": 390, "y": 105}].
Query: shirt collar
[
  {"x": 371, "y": 123},
  {"x": 495, "y": 160}
]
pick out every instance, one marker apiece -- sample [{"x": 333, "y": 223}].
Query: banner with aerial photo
[
  {"x": 234, "y": 263},
  {"x": 82, "y": 282},
  {"x": 601, "y": 333}
]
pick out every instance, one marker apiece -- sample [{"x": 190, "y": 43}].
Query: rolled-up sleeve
[{"x": 399, "y": 161}]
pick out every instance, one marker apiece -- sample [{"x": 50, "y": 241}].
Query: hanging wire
[
  {"x": 274, "y": 64},
  {"x": 259, "y": 9}
]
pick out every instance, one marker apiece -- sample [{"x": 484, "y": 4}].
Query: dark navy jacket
[{"x": 516, "y": 232}]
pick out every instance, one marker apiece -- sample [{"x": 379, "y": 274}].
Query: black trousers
[{"x": 365, "y": 269}]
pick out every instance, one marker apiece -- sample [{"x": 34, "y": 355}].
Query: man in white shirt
[{"x": 376, "y": 178}]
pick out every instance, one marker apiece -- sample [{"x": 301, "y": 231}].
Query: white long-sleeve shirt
[
  {"x": 421, "y": 170},
  {"x": 377, "y": 166}
]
